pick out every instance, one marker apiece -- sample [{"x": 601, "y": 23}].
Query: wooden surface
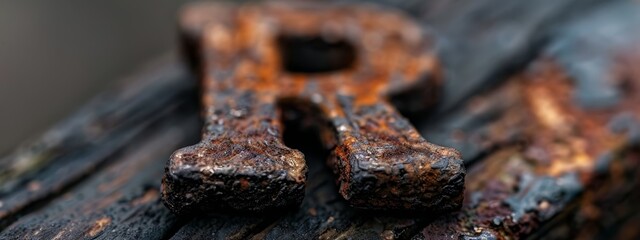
[{"x": 97, "y": 174}]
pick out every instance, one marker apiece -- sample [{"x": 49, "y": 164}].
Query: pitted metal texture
[{"x": 347, "y": 61}]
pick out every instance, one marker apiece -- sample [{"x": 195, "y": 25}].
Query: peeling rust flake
[{"x": 348, "y": 61}]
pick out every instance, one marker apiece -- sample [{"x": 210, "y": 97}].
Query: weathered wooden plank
[
  {"x": 608, "y": 209},
  {"x": 119, "y": 202},
  {"x": 570, "y": 121},
  {"x": 125, "y": 105},
  {"x": 87, "y": 140}
]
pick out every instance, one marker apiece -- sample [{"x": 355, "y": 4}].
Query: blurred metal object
[{"x": 345, "y": 61}]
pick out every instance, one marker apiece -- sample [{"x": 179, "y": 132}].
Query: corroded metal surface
[{"x": 259, "y": 56}]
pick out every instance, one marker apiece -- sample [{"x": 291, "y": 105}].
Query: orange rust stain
[
  {"x": 560, "y": 136},
  {"x": 570, "y": 136},
  {"x": 98, "y": 226},
  {"x": 560, "y": 122},
  {"x": 383, "y": 48},
  {"x": 547, "y": 110}
]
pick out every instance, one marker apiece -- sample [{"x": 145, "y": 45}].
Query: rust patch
[
  {"x": 345, "y": 60},
  {"x": 99, "y": 226},
  {"x": 561, "y": 148}
]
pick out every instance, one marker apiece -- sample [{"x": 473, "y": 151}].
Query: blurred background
[{"x": 56, "y": 55}]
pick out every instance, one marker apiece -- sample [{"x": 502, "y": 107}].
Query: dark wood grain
[
  {"x": 120, "y": 201},
  {"x": 89, "y": 139}
]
